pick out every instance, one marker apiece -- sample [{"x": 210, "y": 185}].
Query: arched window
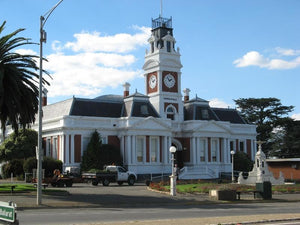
[{"x": 171, "y": 111}]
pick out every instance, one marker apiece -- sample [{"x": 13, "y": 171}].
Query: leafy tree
[
  {"x": 18, "y": 86},
  {"x": 19, "y": 146},
  {"x": 97, "y": 155},
  {"x": 291, "y": 140},
  {"x": 91, "y": 156},
  {"x": 266, "y": 113},
  {"x": 242, "y": 162}
]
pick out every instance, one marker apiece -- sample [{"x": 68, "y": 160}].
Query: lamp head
[
  {"x": 173, "y": 149},
  {"x": 232, "y": 152}
]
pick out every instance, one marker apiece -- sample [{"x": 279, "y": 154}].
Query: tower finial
[{"x": 161, "y": 8}]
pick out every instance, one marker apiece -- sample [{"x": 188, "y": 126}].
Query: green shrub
[
  {"x": 15, "y": 166},
  {"x": 30, "y": 164}
]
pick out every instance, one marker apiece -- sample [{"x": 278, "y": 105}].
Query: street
[
  {"x": 97, "y": 215},
  {"x": 87, "y": 204}
]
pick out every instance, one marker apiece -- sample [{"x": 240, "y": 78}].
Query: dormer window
[
  {"x": 144, "y": 110},
  {"x": 205, "y": 114},
  {"x": 171, "y": 112}
]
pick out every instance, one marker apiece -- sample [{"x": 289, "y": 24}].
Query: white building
[{"x": 145, "y": 126}]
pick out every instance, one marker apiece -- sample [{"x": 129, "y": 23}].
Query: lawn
[
  {"x": 20, "y": 188},
  {"x": 203, "y": 187}
]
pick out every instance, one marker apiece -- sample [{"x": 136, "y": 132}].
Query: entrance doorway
[{"x": 179, "y": 153}]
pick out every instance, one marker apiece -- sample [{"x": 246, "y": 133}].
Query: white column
[
  {"x": 128, "y": 149},
  {"x": 67, "y": 159},
  {"x": 61, "y": 148},
  {"x": 206, "y": 150},
  {"x": 225, "y": 150},
  {"x": 218, "y": 150},
  {"x": 133, "y": 151},
  {"x": 196, "y": 153},
  {"x": 169, "y": 145},
  {"x": 165, "y": 150},
  {"x": 72, "y": 148},
  {"x": 194, "y": 149}
]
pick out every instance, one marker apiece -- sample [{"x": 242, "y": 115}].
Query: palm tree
[{"x": 18, "y": 83}]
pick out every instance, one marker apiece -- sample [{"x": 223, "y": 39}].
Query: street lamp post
[
  {"x": 173, "y": 177},
  {"x": 232, "y": 165},
  {"x": 43, "y": 20}
]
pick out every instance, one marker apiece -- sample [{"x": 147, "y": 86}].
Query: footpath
[{"x": 84, "y": 196}]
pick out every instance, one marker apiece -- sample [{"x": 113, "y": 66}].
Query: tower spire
[{"x": 161, "y": 8}]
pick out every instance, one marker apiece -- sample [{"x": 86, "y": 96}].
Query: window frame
[
  {"x": 143, "y": 150},
  {"x": 156, "y": 150}
]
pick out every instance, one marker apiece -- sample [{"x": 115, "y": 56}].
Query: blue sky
[{"x": 229, "y": 49}]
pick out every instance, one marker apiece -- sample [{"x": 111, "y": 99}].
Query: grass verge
[
  {"x": 23, "y": 188},
  {"x": 204, "y": 187}
]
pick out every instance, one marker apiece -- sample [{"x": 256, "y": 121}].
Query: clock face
[
  {"x": 169, "y": 81},
  {"x": 152, "y": 81}
]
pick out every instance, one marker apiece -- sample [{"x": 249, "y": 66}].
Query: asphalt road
[
  {"x": 123, "y": 205},
  {"x": 100, "y": 215}
]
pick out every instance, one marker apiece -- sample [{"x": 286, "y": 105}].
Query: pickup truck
[{"x": 110, "y": 174}]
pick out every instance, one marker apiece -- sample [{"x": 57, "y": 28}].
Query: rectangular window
[
  {"x": 140, "y": 149},
  {"x": 168, "y": 46},
  {"x": 202, "y": 149},
  {"x": 214, "y": 150},
  {"x": 154, "y": 149}
]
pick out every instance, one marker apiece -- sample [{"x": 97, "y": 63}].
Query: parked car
[{"x": 110, "y": 174}]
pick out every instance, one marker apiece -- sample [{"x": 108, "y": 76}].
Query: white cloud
[
  {"x": 218, "y": 103},
  {"x": 120, "y": 43},
  {"x": 94, "y": 62},
  {"x": 254, "y": 58},
  {"x": 26, "y": 52},
  {"x": 287, "y": 52},
  {"x": 296, "y": 116}
]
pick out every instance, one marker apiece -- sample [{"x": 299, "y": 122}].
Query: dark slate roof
[
  {"x": 96, "y": 107},
  {"x": 138, "y": 105},
  {"x": 114, "y": 106},
  {"x": 199, "y": 109},
  {"x": 143, "y": 109},
  {"x": 198, "y": 112},
  {"x": 230, "y": 115}
]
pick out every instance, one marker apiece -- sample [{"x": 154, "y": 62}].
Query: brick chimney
[
  {"x": 186, "y": 92},
  {"x": 44, "y": 96},
  {"x": 126, "y": 89}
]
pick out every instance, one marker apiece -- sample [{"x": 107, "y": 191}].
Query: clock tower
[{"x": 162, "y": 71}]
